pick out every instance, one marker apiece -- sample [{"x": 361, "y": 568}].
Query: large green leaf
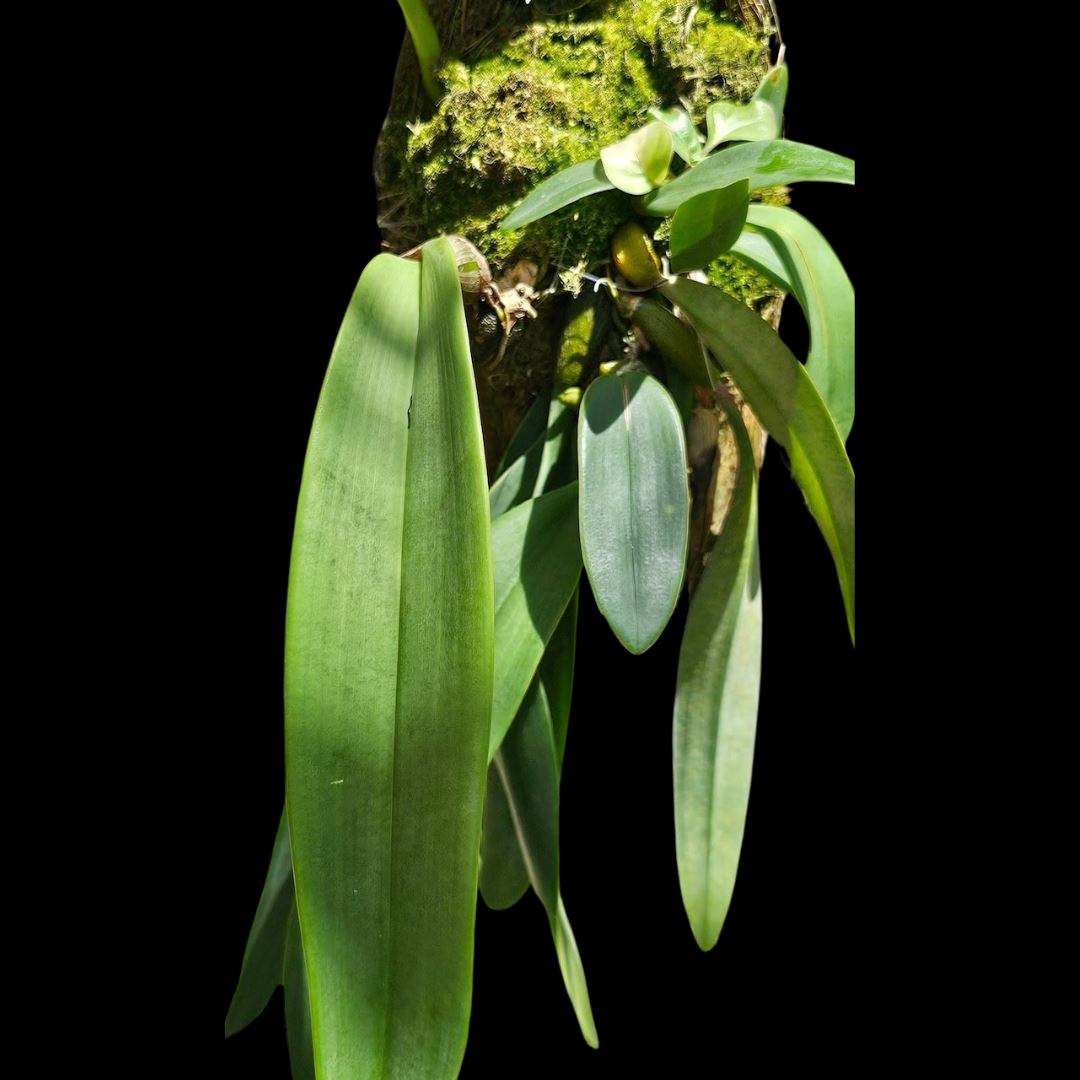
[
  {"x": 716, "y": 703},
  {"x": 537, "y": 559},
  {"x": 707, "y": 225},
  {"x": 783, "y": 396},
  {"x": 558, "y": 191},
  {"x": 786, "y": 248},
  {"x": 634, "y": 503},
  {"x": 260, "y": 973},
  {"x": 388, "y": 671},
  {"x": 763, "y": 164}
]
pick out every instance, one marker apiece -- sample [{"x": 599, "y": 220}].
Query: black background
[{"x": 790, "y": 979}]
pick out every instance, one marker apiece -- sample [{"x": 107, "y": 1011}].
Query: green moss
[
  {"x": 741, "y": 281},
  {"x": 549, "y": 96}
]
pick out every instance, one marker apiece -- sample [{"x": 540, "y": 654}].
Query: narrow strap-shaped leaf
[
  {"x": 705, "y": 226},
  {"x": 676, "y": 342},
  {"x": 546, "y": 464},
  {"x": 532, "y": 427},
  {"x": 577, "y": 182},
  {"x": 763, "y": 164},
  {"x": 557, "y": 674},
  {"x": 783, "y": 396},
  {"x": 503, "y": 877},
  {"x": 537, "y": 558},
  {"x": 782, "y": 240},
  {"x": 573, "y": 973},
  {"x": 634, "y": 503},
  {"x": 528, "y": 765},
  {"x": 425, "y": 39},
  {"x": 297, "y": 1004},
  {"x": 716, "y": 704},
  {"x": 388, "y": 680},
  {"x": 260, "y": 973}
]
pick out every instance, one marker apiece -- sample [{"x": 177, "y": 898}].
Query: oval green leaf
[
  {"x": 634, "y": 503},
  {"x": 640, "y": 162},
  {"x": 784, "y": 398},
  {"x": 789, "y": 250},
  {"x": 762, "y": 164},
  {"x": 716, "y": 704},
  {"x": 707, "y": 225},
  {"x": 728, "y": 121},
  {"x": 388, "y": 670},
  {"x": 562, "y": 189}
]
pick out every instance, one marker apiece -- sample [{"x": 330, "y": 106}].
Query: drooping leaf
[
  {"x": 388, "y": 669},
  {"x": 728, "y": 121},
  {"x": 639, "y": 162},
  {"x": 789, "y": 250},
  {"x": 527, "y": 766},
  {"x": 562, "y": 189},
  {"x": 260, "y": 973},
  {"x": 537, "y": 560},
  {"x": 773, "y": 91},
  {"x": 634, "y": 503},
  {"x": 716, "y": 703},
  {"x": 681, "y": 390},
  {"x": 783, "y": 396},
  {"x": 425, "y": 39},
  {"x": 684, "y": 136},
  {"x": 762, "y": 164},
  {"x": 707, "y": 225},
  {"x": 297, "y": 1004}
]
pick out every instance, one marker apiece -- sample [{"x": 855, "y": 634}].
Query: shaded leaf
[
  {"x": 558, "y": 191},
  {"x": 790, "y": 251},
  {"x": 532, "y": 427},
  {"x": 547, "y": 463},
  {"x": 260, "y": 973},
  {"x": 707, "y": 225},
  {"x": 639, "y": 162},
  {"x": 297, "y": 1005},
  {"x": 388, "y": 670},
  {"x": 761, "y": 164},
  {"x": 676, "y": 341},
  {"x": 716, "y": 704},
  {"x": 783, "y": 396},
  {"x": 634, "y": 503},
  {"x": 537, "y": 560}
]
